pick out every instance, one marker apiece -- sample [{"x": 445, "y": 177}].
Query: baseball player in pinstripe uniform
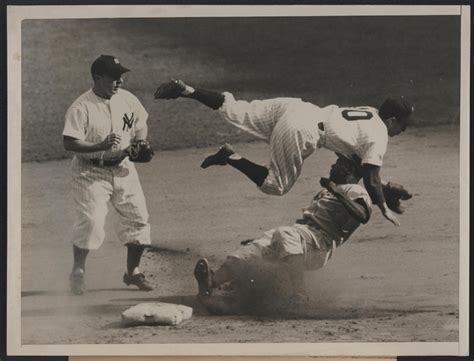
[
  {"x": 295, "y": 128},
  {"x": 99, "y": 126}
]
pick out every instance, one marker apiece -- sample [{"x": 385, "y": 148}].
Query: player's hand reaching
[
  {"x": 110, "y": 141},
  {"x": 388, "y": 214}
]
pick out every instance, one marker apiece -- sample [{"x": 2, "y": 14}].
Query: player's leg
[
  {"x": 295, "y": 266},
  {"x": 285, "y": 165},
  {"x": 259, "y": 118},
  {"x": 134, "y": 230},
  {"x": 91, "y": 191},
  {"x": 290, "y": 246},
  {"x": 292, "y": 141},
  {"x": 226, "y": 155},
  {"x": 204, "y": 278},
  {"x": 134, "y": 256},
  {"x": 76, "y": 278},
  {"x": 209, "y": 279}
]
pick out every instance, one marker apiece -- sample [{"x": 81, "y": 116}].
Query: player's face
[{"x": 109, "y": 85}]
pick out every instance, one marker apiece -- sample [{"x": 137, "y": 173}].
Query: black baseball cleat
[
  {"x": 76, "y": 281},
  {"x": 203, "y": 275},
  {"x": 138, "y": 280},
  {"x": 220, "y": 157}
]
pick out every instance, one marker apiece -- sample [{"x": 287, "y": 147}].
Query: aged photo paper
[{"x": 91, "y": 235}]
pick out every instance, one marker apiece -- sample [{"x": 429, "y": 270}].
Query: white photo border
[{"x": 16, "y": 14}]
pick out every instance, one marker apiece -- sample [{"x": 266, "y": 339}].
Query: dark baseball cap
[
  {"x": 398, "y": 107},
  {"x": 108, "y": 65}
]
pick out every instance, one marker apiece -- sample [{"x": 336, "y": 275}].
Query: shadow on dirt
[{"x": 76, "y": 310}]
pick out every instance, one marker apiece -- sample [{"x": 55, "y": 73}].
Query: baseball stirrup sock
[
  {"x": 80, "y": 256},
  {"x": 134, "y": 255},
  {"x": 256, "y": 173},
  {"x": 212, "y": 99}
]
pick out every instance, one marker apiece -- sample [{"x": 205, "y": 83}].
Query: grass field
[{"x": 340, "y": 60}]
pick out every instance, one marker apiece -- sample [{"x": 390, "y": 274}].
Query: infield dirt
[{"x": 386, "y": 284}]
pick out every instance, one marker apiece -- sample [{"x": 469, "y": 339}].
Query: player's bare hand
[
  {"x": 388, "y": 214},
  {"x": 328, "y": 184},
  {"x": 110, "y": 141}
]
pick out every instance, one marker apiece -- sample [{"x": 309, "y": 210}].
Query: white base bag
[{"x": 157, "y": 313}]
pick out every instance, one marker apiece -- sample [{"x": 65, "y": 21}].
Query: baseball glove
[
  {"x": 395, "y": 193},
  {"x": 140, "y": 152},
  {"x": 170, "y": 90}
]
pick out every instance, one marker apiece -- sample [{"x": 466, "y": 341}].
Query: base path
[{"x": 386, "y": 284}]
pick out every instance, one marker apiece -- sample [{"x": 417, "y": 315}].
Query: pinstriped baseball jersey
[
  {"x": 357, "y": 130},
  {"x": 91, "y": 118},
  {"x": 329, "y": 214},
  {"x": 290, "y": 125}
]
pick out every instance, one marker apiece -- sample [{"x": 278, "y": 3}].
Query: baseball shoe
[
  {"x": 203, "y": 275},
  {"x": 220, "y": 157},
  {"x": 76, "y": 281},
  {"x": 138, "y": 280}
]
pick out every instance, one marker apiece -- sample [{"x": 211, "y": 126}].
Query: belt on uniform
[
  {"x": 321, "y": 126},
  {"x": 105, "y": 162}
]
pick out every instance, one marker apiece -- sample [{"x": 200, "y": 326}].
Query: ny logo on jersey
[{"x": 128, "y": 122}]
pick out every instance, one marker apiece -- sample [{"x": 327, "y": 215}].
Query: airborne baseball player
[
  {"x": 295, "y": 128},
  {"x": 106, "y": 128},
  {"x": 327, "y": 223}
]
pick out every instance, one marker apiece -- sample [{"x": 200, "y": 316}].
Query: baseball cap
[
  {"x": 108, "y": 65},
  {"x": 398, "y": 107}
]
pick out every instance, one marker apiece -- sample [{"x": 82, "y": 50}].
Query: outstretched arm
[
  {"x": 177, "y": 88},
  {"x": 373, "y": 184},
  {"x": 357, "y": 210}
]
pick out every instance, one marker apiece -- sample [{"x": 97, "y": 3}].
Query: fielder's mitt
[
  {"x": 140, "y": 152},
  {"x": 170, "y": 90},
  {"x": 394, "y": 193}
]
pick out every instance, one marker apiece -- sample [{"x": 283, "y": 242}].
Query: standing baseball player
[
  {"x": 295, "y": 128},
  {"x": 327, "y": 223},
  {"x": 100, "y": 128}
]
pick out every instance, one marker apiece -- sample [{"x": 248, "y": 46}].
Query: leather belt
[
  {"x": 105, "y": 162},
  {"x": 321, "y": 126}
]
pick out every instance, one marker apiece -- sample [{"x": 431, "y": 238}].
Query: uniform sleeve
[
  {"x": 374, "y": 154},
  {"x": 375, "y": 146},
  {"x": 355, "y": 191},
  {"x": 140, "y": 113},
  {"x": 257, "y": 117},
  {"x": 75, "y": 123}
]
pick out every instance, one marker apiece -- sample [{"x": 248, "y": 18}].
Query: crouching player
[{"x": 327, "y": 223}]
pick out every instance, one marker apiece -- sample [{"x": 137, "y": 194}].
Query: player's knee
[
  {"x": 279, "y": 238},
  {"x": 96, "y": 232}
]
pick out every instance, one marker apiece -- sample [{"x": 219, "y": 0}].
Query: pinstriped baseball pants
[
  {"x": 289, "y": 125},
  {"x": 294, "y": 137},
  {"x": 92, "y": 188}
]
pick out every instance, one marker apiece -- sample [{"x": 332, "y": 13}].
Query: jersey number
[{"x": 356, "y": 114}]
